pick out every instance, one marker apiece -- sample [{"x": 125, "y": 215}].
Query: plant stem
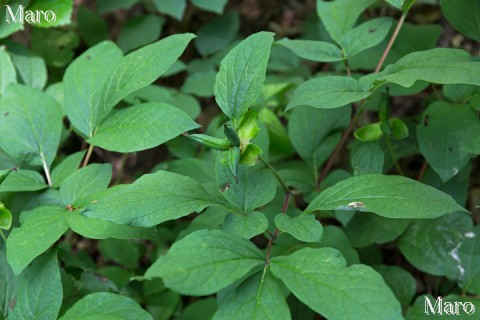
[
  {"x": 46, "y": 170},
  {"x": 422, "y": 170},
  {"x": 355, "y": 118},
  {"x": 89, "y": 154},
  {"x": 390, "y": 43},
  {"x": 286, "y": 202},
  {"x": 3, "y": 235},
  {"x": 275, "y": 173},
  {"x": 392, "y": 154}
]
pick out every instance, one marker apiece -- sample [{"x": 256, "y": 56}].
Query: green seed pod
[
  {"x": 370, "y": 132},
  {"x": 399, "y": 129},
  {"x": 248, "y": 126},
  {"x": 250, "y": 155},
  {"x": 211, "y": 142},
  {"x": 231, "y": 135},
  {"x": 233, "y": 159}
]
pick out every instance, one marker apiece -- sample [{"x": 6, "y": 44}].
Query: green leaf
[
  {"x": 62, "y": 9},
  {"x": 84, "y": 182},
  {"x": 55, "y": 45},
  {"x": 252, "y": 188},
  {"x": 321, "y": 280},
  {"x": 174, "y": 8},
  {"x": 242, "y": 73},
  {"x": 8, "y": 282},
  {"x": 247, "y": 226},
  {"x": 328, "y": 92},
  {"x": 23, "y": 180},
  {"x": 403, "y": 5},
  {"x": 7, "y": 27},
  {"x": 389, "y": 196},
  {"x": 307, "y": 136},
  {"x": 367, "y": 158},
  {"x": 217, "y": 33},
  {"x": 152, "y": 199},
  {"x": 440, "y": 65},
  {"x": 206, "y": 261},
  {"x": 140, "y": 31},
  {"x": 258, "y": 297},
  {"x": 30, "y": 125},
  {"x": 463, "y": 262},
  {"x": 97, "y": 80},
  {"x": 304, "y": 227},
  {"x": 210, "y": 5},
  {"x": 65, "y": 168},
  {"x": 8, "y": 74},
  {"x": 320, "y": 51},
  {"x": 464, "y": 16},
  {"x": 6, "y": 218},
  {"x": 427, "y": 243},
  {"x": 102, "y": 229},
  {"x": 105, "y": 305},
  {"x": 365, "y": 36},
  {"x": 91, "y": 26},
  {"x": 200, "y": 83},
  {"x": 141, "y": 127},
  {"x": 401, "y": 282},
  {"x": 339, "y": 16},
  {"x": 122, "y": 252},
  {"x": 334, "y": 237},
  {"x": 365, "y": 229},
  {"x": 40, "y": 228},
  {"x": 31, "y": 68},
  {"x": 39, "y": 290},
  {"x": 444, "y": 136},
  {"x": 206, "y": 307}
]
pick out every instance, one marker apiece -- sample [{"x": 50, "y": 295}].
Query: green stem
[
  {"x": 275, "y": 173},
  {"x": 390, "y": 43},
  {"x": 392, "y": 154},
  {"x": 89, "y": 154},
  {"x": 3, "y": 235}
]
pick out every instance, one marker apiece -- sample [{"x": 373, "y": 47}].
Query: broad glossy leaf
[
  {"x": 23, "y": 180},
  {"x": 7, "y": 73},
  {"x": 31, "y": 68},
  {"x": 257, "y": 298},
  {"x": 440, "y": 65},
  {"x": 84, "y": 182},
  {"x": 367, "y": 158},
  {"x": 141, "y": 127},
  {"x": 210, "y": 5},
  {"x": 65, "y": 168},
  {"x": 365, "y": 36},
  {"x": 39, "y": 290},
  {"x": 463, "y": 16},
  {"x": 101, "y": 77},
  {"x": 217, "y": 33},
  {"x": 242, "y": 73},
  {"x": 339, "y": 16},
  {"x": 248, "y": 225},
  {"x": 152, "y": 199},
  {"x": 200, "y": 83},
  {"x": 463, "y": 262},
  {"x": 102, "y": 229},
  {"x": 174, "y": 8},
  {"x": 140, "y": 31},
  {"x": 106, "y": 305},
  {"x": 335, "y": 237},
  {"x": 30, "y": 125},
  {"x": 444, "y": 135},
  {"x": 427, "y": 243},
  {"x": 329, "y": 92},
  {"x": 8, "y": 282},
  {"x": 304, "y": 227},
  {"x": 401, "y": 282},
  {"x": 389, "y": 196},
  {"x": 40, "y": 228},
  {"x": 320, "y": 51},
  {"x": 321, "y": 280},
  {"x": 307, "y": 136},
  {"x": 205, "y": 262},
  {"x": 366, "y": 228},
  {"x": 255, "y": 187},
  {"x": 62, "y": 9}
]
